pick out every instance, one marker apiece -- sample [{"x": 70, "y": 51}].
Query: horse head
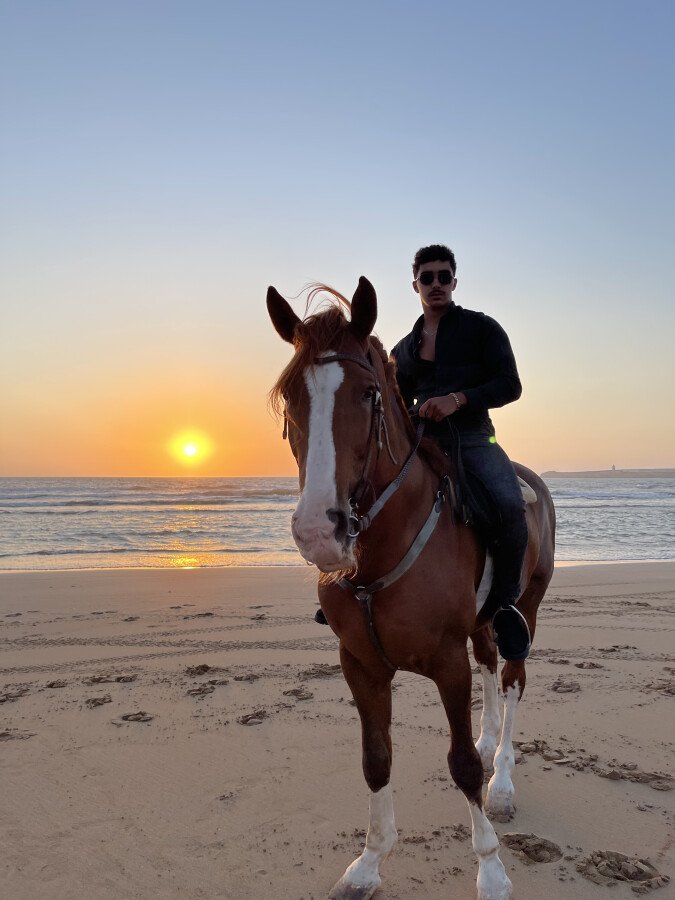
[{"x": 336, "y": 400}]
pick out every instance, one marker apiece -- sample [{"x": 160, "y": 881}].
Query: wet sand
[{"x": 126, "y": 772}]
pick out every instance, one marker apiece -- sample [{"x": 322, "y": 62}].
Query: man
[{"x": 454, "y": 366}]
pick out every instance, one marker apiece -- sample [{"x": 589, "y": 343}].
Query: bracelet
[{"x": 456, "y": 399}]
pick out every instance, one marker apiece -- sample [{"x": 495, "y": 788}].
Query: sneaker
[
  {"x": 511, "y": 633},
  {"x": 320, "y": 618}
]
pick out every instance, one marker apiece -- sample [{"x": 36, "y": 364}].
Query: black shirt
[{"x": 473, "y": 355}]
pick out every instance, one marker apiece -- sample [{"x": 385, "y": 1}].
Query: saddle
[{"x": 474, "y": 504}]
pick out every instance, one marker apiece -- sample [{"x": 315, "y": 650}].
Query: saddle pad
[{"x": 529, "y": 495}]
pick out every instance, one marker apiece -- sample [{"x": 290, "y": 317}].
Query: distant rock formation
[{"x": 614, "y": 473}]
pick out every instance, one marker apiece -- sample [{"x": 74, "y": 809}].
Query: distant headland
[{"x": 614, "y": 473}]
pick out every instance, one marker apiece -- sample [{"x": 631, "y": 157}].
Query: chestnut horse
[{"x": 411, "y": 599}]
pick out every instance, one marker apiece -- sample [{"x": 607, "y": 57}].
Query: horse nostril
[{"x": 339, "y": 519}]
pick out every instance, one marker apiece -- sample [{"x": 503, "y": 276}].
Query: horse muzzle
[{"x": 324, "y": 540}]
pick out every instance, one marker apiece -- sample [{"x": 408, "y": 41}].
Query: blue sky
[{"x": 161, "y": 163}]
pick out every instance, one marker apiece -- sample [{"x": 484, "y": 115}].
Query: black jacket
[{"x": 473, "y": 355}]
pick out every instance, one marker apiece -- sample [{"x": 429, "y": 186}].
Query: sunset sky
[{"x": 161, "y": 163}]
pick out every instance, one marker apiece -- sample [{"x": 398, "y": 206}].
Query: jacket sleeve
[{"x": 503, "y": 383}]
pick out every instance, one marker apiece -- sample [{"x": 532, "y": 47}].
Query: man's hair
[{"x": 434, "y": 253}]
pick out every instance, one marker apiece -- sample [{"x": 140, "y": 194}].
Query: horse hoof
[
  {"x": 343, "y": 890},
  {"x": 498, "y": 889},
  {"x": 499, "y": 809}
]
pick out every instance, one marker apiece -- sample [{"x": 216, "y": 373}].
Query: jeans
[{"x": 487, "y": 461}]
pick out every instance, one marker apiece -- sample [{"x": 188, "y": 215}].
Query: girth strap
[{"x": 364, "y": 593}]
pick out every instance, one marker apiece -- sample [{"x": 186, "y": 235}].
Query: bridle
[{"x": 378, "y": 428}]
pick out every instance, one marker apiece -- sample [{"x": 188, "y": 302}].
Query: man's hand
[{"x": 438, "y": 408}]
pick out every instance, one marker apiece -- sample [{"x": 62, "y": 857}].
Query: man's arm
[{"x": 503, "y": 385}]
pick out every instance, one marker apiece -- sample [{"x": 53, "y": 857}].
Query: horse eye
[{"x": 369, "y": 393}]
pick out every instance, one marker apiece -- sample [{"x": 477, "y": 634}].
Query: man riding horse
[{"x": 453, "y": 367}]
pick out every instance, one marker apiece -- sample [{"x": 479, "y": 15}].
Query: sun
[{"x": 190, "y": 447}]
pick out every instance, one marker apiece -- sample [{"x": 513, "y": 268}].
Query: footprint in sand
[
  {"x": 561, "y": 686},
  {"x": 60, "y": 683},
  {"x": 11, "y": 734},
  {"x": 13, "y": 694},
  {"x": 531, "y": 848},
  {"x": 93, "y": 702},
  {"x": 201, "y": 691},
  {"x": 588, "y": 665},
  {"x": 201, "y": 669},
  {"x": 140, "y": 716},
  {"x": 254, "y": 718},
  {"x": 131, "y": 619},
  {"x": 299, "y": 693},
  {"x": 606, "y": 867},
  {"x": 249, "y": 676}
]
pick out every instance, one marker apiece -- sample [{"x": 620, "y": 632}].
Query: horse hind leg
[
  {"x": 485, "y": 654},
  {"x": 373, "y": 701},
  {"x": 500, "y": 793},
  {"x": 454, "y": 685}
]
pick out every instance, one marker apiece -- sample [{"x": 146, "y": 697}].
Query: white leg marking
[
  {"x": 312, "y": 528},
  {"x": 492, "y": 882},
  {"x": 364, "y": 873},
  {"x": 485, "y": 584},
  {"x": 499, "y": 800},
  {"x": 490, "y": 719}
]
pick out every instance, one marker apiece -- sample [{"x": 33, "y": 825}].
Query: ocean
[{"x": 84, "y": 523}]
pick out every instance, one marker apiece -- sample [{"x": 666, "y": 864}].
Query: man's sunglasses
[{"x": 427, "y": 278}]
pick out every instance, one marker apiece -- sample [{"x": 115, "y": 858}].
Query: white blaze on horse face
[{"x": 313, "y": 531}]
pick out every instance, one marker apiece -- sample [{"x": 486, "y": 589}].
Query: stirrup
[
  {"x": 319, "y": 617},
  {"x": 512, "y": 633}
]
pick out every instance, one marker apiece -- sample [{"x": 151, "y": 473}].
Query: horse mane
[{"x": 325, "y": 330}]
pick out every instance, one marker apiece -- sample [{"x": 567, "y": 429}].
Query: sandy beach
[{"x": 182, "y": 799}]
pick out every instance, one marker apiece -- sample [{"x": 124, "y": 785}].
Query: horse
[{"x": 402, "y": 581}]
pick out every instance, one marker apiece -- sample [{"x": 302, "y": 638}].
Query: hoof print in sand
[
  {"x": 11, "y": 734},
  {"x": 97, "y": 679},
  {"x": 249, "y": 676},
  {"x": 60, "y": 683},
  {"x": 254, "y": 718},
  {"x": 201, "y": 691},
  {"x": 531, "y": 848},
  {"x": 13, "y": 694},
  {"x": 140, "y": 716},
  {"x": 606, "y": 868},
  {"x": 588, "y": 665},
  {"x": 299, "y": 693},
  {"x": 561, "y": 686},
  {"x": 321, "y": 670},
  {"x": 201, "y": 669},
  {"x": 93, "y": 702}
]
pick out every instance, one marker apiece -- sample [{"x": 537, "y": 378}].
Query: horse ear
[
  {"x": 364, "y": 309},
  {"x": 282, "y": 316}
]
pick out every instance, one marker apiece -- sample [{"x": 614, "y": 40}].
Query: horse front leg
[
  {"x": 453, "y": 678},
  {"x": 372, "y": 695}
]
